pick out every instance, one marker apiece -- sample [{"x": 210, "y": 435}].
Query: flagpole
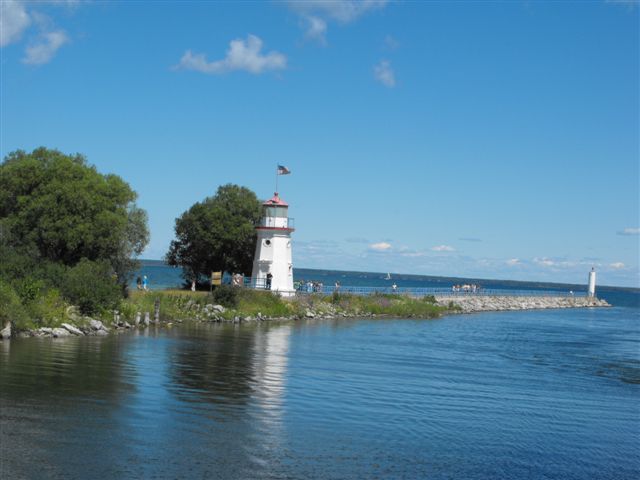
[{"x": 276, "y": 178}]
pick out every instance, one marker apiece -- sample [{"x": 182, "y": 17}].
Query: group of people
[
  {"x": 142, "y": 283},
  {"x": 473, "y": 288},
  {"x": 309, "y": 286}
]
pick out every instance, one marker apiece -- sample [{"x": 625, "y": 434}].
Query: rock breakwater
[{"x": 481, "y": 303}]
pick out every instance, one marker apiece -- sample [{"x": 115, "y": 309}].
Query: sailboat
[{"x": 388, "y": 277}]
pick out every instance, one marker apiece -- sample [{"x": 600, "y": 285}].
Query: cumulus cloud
[
  {"x": 617, "y": 265},
  {"x": 513, "y": 262},
  {"x": 45, "y": 48},
  {"x": 384, "y": 73},
  {"x": 316, "y": 13},
  {"x": 316, "y": 29},
  {"x": 242, "y": 55},
  {"x": 443, "y": 248},
  {"x": 380, "y": 247},
  {"x": 629, "y": 231},
  {"x": 14, "y": 19}
]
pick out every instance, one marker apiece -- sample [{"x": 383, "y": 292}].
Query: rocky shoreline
[
  {"x": 480, "y": 303},
  {"x": 86, "y": 326}
]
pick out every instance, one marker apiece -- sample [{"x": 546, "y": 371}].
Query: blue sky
[{"x": 485, "y": 139}]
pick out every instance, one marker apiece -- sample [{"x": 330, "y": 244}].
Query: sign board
[{"x": 216, "y": 278}]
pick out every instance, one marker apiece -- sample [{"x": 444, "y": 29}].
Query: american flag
[{"x": 282, "y": 170}]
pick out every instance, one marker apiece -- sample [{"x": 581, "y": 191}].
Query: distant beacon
[
  {"x": 273, "y": 248},
  {"x": 592, "y": 283}
]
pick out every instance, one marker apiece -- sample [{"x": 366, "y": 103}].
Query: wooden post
[{"x": 156, "y": 313}]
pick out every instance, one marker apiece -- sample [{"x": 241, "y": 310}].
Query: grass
[{"x": 184, "y": 304}]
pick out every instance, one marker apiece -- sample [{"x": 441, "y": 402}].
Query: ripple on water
[{"x": 510, "y": 395}]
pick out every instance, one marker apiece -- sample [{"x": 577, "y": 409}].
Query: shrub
[
  {"x": 91, "y": 286},
  {"x": 226, "y": 295},
  {"x": 48, "y": 309},
  {"x": 10, "y": 307}
]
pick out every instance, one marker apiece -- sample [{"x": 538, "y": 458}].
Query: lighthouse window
[{"x": 267, "y": 242}]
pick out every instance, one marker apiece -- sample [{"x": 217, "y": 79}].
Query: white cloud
[
  {"x": 630, "y": 231},
  {"x": 391, "y": 43},
  {"x": 384, "y": 74},
  {"x": 380, "y": 247},
  {"x": 443, "y": 248},
  {"x": 241, "y": 55},
  {"x": 316, "y": 29},
  {"x": 344, "y": 11},
  {"x": 14, "y": 19},
  {"x": 617, "y": 265},
  {"x": 45, "y": 48},
  {"x": 513, "y": 262},
  {"x": 316, "y": 13}
]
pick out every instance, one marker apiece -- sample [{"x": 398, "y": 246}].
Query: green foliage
[
  {"x": 64, "y": 227},
  {"x": 225, "y": 295},
  {"x": 251, "y": 302},
  {"x": 11, "y": 308},
  {"x": 91, "y": 286},
  {"x": 47, "y": 309},
  {"x": 61, "y": 208},
  {"x": 217, "y": 234}
]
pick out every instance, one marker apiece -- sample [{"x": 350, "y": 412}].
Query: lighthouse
[
  {"x": 272, "y": 264},
  {"x": 592, "y": 283}
]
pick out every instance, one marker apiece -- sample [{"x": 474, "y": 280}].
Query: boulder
[
  {"x": 60, "y": 332},
  {"x": 101, "y": 333},
  {"x": 72, "y": 329},
  {"x": 96, "y": 324},
  {"x": 309, "y": 314},
  {"x": 5, "y": 333},
  {"x": 219, "y": 308}
]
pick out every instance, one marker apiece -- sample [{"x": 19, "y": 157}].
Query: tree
[
  {"x": 64, "y": 210},
  {"x": 217, "y": 234}
]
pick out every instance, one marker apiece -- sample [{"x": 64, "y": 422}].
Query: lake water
[{"x": 538, "y": 394}]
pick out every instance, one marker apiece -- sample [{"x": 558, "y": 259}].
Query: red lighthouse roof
[{"x": 275, "y": 201}]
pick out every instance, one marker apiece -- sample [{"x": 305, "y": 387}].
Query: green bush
[
  {"x": 28, "y": 288},
  {"x": 48, "y": 309},
  {"x": 91, "y": 286},
  {"x": 226, "y": 295},
  {"x": 10, "y": 307}
]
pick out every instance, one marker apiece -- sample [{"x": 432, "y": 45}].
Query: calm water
[{"x": 539, "y": 394}]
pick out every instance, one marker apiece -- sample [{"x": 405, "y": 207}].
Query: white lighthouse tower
[
  {"x": 592, "y": 283},
  {"x": 272, "y": 264}
]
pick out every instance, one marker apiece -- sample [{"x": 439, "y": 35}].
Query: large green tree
[
  {"x": 60, "y": 209},
  {"x": 217, "y": 234}
]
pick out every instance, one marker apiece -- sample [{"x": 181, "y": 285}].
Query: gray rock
[
  {"x": 24, "y": 335},
  {"x": 45, "y": 331},
  {"x": 101, "y": 333},
  {"x": 219, "y": 308},
  {"x": 72, "y": 329},
  {"x": 147, "y": 320},
  {"x": 309, "y": 314},
  {"x": 5, "y": 333},
  {"x": 96, "y": 324},
  {"x": 60, "y": 333}
]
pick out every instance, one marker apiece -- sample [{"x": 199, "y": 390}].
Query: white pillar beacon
[
  {"x": 273, "y": 249},
  {"x": 592, "y": 283}
]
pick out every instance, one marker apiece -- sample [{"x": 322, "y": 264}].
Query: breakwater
[{"x": 489, "y": 303}]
